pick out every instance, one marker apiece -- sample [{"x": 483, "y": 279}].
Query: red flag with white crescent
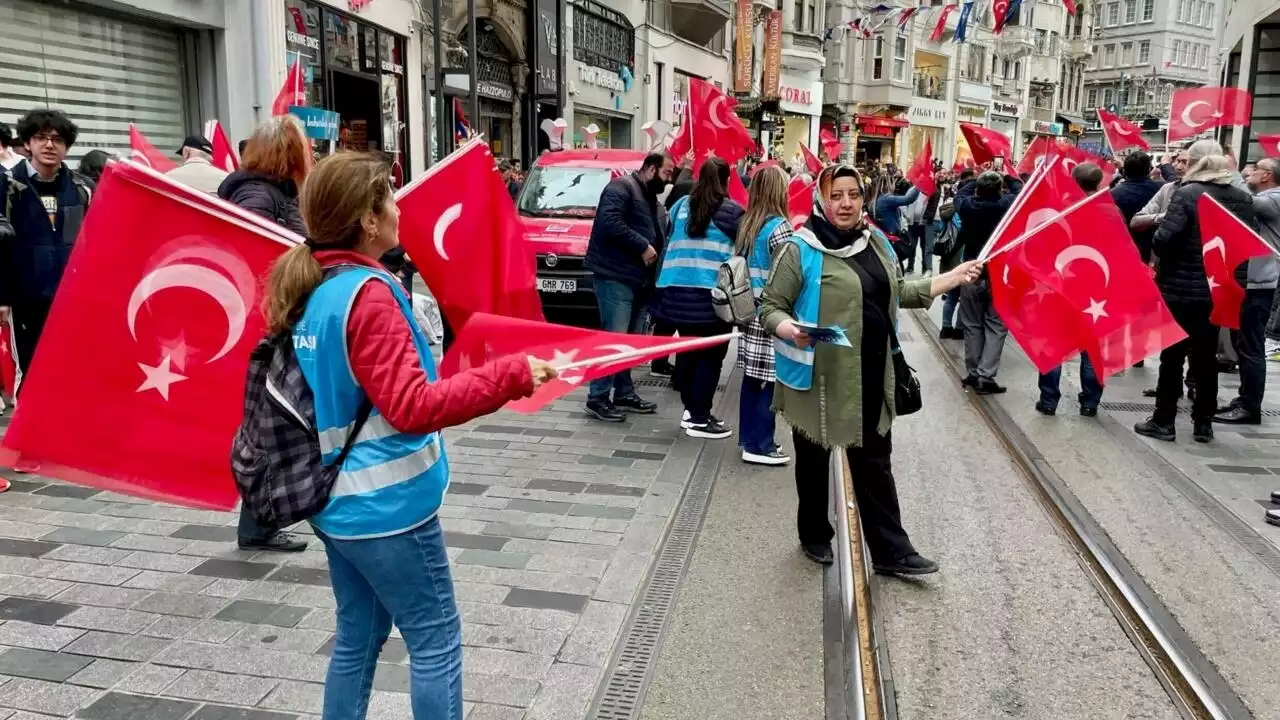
[
  {"x": 460, "y": 226},
  {"x": 1270, "y": 145},
  {"x": 1228, "y": 243},
  {"x": 294, "y": 90},
  {"x": 154, "y": 320},
  {"x": 1195, "y": 110},
  {"x": 1121, "y": 134},
  {"x": 146, "y": 153},
  {"x": 224, "y": 153}
]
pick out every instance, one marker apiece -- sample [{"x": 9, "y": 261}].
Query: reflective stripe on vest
[
  {"x": 391, "y": 481},
  {"x": 761, "y": 258},
  {"x": 692, "y": 262},
  {"x": 794, "y": 365}
]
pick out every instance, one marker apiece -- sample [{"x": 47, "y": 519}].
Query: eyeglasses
[{"x": 49, "y": 139}]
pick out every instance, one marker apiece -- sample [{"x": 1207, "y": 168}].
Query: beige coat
[{"x": 200, "y": 174}]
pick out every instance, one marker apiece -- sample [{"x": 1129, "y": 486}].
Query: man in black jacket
[
  {"x": 981, "y": 205},
  {"x": 626, "y": 241},
  {"x": 1180, "y": 275},
  {"x": 1133, "y": 194}
]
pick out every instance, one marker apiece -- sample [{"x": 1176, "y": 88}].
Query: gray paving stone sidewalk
[{"x": 115, "y": 608}]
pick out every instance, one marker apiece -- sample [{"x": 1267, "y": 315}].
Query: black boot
[{"x": 1152, "y": 429}]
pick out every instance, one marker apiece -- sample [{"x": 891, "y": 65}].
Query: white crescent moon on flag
[
  {"x": 1118, "y": 129},
  {"x": 717, "y": 116},
  {"x": 196, "y": 277},
  {"x": 1186, "y": 114},
  {"x": 1038, "y": 218},
  {"x": 447, "y": 218},
  {"x": 1006, "y": 276},
  {"x": 141, "y": 157},
  {"x": 1216, "y": 244},
  {"x": 1083, "y": 252}
]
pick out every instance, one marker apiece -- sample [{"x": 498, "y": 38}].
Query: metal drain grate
[
  {"x": 631, "y": 669},
  {"x": 664, "y": 383},
  {"x": 1151, "y": 407}
]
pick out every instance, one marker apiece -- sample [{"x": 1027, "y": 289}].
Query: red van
[{"x": 557, "y": 206}]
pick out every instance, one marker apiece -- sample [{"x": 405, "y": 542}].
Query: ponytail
[{"x": 294, "y": 276}]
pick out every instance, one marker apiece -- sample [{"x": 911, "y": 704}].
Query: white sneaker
[
  {"x": 711, "y": 430},
  {"x": 685, "y": 424},
  {"x": 777, "y": 457}
]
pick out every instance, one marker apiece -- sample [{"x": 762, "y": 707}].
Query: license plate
[{"x": 556, "y": 285}]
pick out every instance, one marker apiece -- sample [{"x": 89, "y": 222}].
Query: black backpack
[{"x": 275, "y": 456}]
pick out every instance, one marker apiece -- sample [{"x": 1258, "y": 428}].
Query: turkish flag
[
  {"x": 1228, "y": 242},
  {"x": 1270, "y": 145},
  {"x": 1034, "y": 154},
  {"x": 147, "y": 154},
  {"x": 487, "y": 337},
  {"x": 811, "y": 161},
  {"x": 737, "y": 191},
  {"x": 224, "y": 153},
  {"x": 1048, "y": 192},
  {"x": 1194, "y": 110},
  {"x": 1073, "y": 155},
  {"x": 941, "y": 26},
  {"x": 137, "y": 385},
  {"x": 293, "y": 92},
  {"x": 460, "y": 227},
  {"x": 1000, "y": 13},
  {"x": 830, "y": 144},
  {"x": 1120, "y": 133},
  {"x": 1087, "y": 255},
  {"x": 920, "y": 174},
  {"x": 1071, "y": 6},
  {"x": 682, "y": 141},
  {"x": 800, "y": 199},
  {"x": 985, "y": 144},
  {"x": 713, "y": 126}
]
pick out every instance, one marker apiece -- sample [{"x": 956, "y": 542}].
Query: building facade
[
  {"x": 677, "y": 40},
  {"x": 601, "y": 84},
  {"x": 1250, "y": 38},
  {"x": 1142, "y": 51}
]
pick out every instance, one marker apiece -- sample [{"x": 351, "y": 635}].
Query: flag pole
[
  {"x": 1028, "y": 234},
  {"x": 473, "y": 62},
  {"x": 667, "y": 348}
]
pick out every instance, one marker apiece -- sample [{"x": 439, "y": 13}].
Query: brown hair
[
  {"x": 340, "y": 191},
  {"x": 279, "y": 150},
  {"x": 767, "y": 198}
]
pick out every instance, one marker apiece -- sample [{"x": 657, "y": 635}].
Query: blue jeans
[
  {"x": 402, "y": 578},
  {"x": 926, "y": 247},
  {"x": 1090, "y": 388},
  {"x": 755, "y": 416},
  {"x": 620, "y": 311},
  {"x": 949, "y": 305}
]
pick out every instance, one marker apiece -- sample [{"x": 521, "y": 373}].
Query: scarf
[{"x": 821, "y": 235}]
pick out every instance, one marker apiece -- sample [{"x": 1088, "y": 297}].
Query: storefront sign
[
  {"x": 742, "y": 46},
  {"x": 496, "y": 91},
  {"x": 929, "y": 113},
  {"x": 772, "y": 54},
  {"x": 301, "y": 39},
  {"x": 1075, "y": 129},
  {"x": 319, "y": 124},
  {"x": 547, "y": 41},
  {"x": 600, "y": 78},
  {"x": 1007, "y": 109},
  {"x": 392, "y": 67},
  {"x": 800, "y": 97},
  {"x": 1046, "y": 128},
  {"x": 879, "y": 125},
  {"x": 971, "y": 113}
]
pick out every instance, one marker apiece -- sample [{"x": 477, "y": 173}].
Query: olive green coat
[{"x": 830, "y": 412}]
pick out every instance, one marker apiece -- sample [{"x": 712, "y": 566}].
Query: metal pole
[
  {"x": 442, "y": 125},
  {"x": 474, "y": 67}
]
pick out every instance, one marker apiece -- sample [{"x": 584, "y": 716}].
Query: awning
[
  {"x": 1071, "y": 118},
  {"x": 880, "y": 121}
]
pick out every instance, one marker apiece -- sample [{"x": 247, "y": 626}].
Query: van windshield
[{"x": 563, "y": 191}]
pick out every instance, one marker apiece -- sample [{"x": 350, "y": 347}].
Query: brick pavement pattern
[{"x": 115, "y": 608}]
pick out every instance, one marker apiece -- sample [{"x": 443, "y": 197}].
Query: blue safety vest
[
  {"x": 692, "y": 262},
  {"x": 761, "y": 259},
  {"x": 793, "y": 364},
  {"x": 390, "y": 482}
]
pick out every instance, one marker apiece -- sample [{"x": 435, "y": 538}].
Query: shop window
[
  {"x": 602, "y": 37},
  {"x": 342, "y": 42},
  {"x": 302, "y": 44}
]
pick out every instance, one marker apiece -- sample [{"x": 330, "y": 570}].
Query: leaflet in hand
[{"x": 833, "y": 334}]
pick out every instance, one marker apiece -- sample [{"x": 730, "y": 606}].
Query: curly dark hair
[
  {"x": 6, "y": 136},
  {"x": 46, "y": 120}
]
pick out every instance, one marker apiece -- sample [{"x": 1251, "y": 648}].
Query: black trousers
[
  {"x": 1250, "y": 343},
  {"x": 28, "y": 324},
  {"x": 663, "y": 329},
  {"x": 697, "y": 372},
  {"x": 1200, "y": 351},
  {"x": 873, "y": 486}
]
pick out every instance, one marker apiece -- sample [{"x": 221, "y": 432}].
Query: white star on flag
[
  {"x": 1040, "y": 291},
  {"x": 560, "y": 358},
  {"x": 159, "y": 377},
  {"x": 1213, "y": 283},
  {"x": 1096, "y": 309}
]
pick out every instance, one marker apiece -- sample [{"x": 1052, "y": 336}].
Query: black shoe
[
  {"x": 1202, "y": 432},
  {"x": 1149, "y": 393},
  {"x": 1275, "y": 497},
  {"x": 913, "y": 564},
  {"x": 1226, "y": 366},
  {"x": 635, "y": 404},
  {"x": 712, "y": 429},
  {"x": 605, "y": 411},
  {"x": 970, "y": 381},
  {"x": 951, "y": 333},
  {"x": 1152, "y": 429},
  {"x": 1045, "y": 409},
  {"x": 820, "y": 554},
  {"x": 1237, "y": 416},
  {"x": 279, "y": 542},
  {"x": 989, "y": 387},
  {"x": 1088, "y": 412},
  {"x": 1273, "y": 517},
  {"x": 660, "y": 369}
]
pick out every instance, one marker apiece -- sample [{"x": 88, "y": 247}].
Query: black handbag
[{"x": 906, "y": 386}]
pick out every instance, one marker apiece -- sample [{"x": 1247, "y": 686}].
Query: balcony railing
[
  {"x": 929, "y": 86},
  {"x": 1078, "y": 48}
]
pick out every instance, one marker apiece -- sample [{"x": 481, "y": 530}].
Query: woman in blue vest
[
  {"x": 358, "y": 346},
  {"x": 837, "y": 270},
  {"x": 763, "y": 230},
  {"x": 703, "y": 226}
]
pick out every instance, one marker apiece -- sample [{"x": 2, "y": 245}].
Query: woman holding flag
[
  {"x": 839, "y": 271},
  {"x": 357, "y": 342}
]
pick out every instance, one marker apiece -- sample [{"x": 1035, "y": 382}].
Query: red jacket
[{"x": 386, "y": 364}]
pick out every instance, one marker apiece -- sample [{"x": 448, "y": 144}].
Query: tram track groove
[{"x": 1192, "y": 683}]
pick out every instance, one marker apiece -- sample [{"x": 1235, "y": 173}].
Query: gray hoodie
[{"x": 1264, "y": 272}]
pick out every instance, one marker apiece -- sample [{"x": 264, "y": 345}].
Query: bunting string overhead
[{"x": 879, "y": 18}]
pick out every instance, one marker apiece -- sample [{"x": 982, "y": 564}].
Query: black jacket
[
  {"x": 627, "y": 221},
  {"x": 1178, "y": 247},
  {"x": 684, "y": 306},
  {"x": 1131, "y": 196},
  {"x": 978, "y": 217},
  {"x": 274, "y": 200},
  {"x": 35, "y": 253},
  {"x": 682, "y": 187}
]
